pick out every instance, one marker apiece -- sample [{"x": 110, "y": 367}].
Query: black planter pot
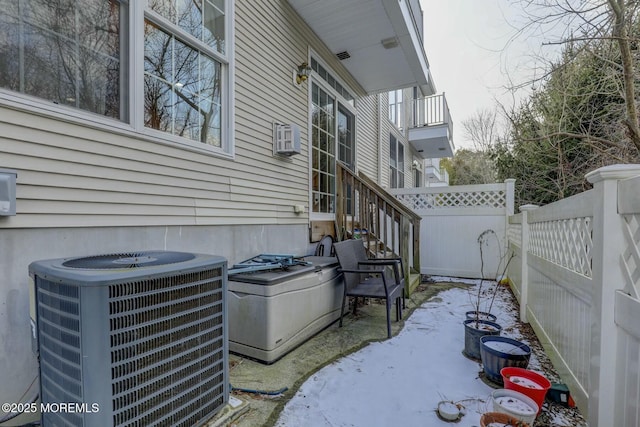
[
  {"x": 500, "y": 352},
  {"x": 473, "y": 331}
]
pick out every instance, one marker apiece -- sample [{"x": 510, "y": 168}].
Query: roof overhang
[{"x": 381, "y": 38}]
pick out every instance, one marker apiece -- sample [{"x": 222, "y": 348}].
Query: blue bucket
[{"x": 499, "y": 352}]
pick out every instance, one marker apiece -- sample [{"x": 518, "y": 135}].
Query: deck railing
[
  {"x": 367, "y": 211},
  {"x": 431, "y": 111}
]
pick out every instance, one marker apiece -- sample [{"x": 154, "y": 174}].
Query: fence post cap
[
  {"x": 526, "y": 208},
  {"x": 620, "y": 171},
  {"x": 510, "y": 180}
]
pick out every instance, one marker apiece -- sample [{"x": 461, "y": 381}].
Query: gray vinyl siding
[
  {"x": 72, "y": 173},
  {"x": 367, "y": 136},
  {"x": 67, "y": 179}
]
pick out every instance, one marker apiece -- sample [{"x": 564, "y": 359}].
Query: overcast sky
[{"x": 471, "y": 57}]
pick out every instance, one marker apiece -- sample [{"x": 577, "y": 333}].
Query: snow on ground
[{"x": 400, "y": 381}]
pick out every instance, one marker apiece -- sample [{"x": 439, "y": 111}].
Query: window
[
  {"x": 67, "y": 52},
  {"x": 75, "y": 53},
  {"x": 327, "y": 77},
  {"x": 395, "y": 107},
  {"x": 182, "y": 77},
  {"x": 396, "y": 163},
  {"x": 417, "y": 178}
]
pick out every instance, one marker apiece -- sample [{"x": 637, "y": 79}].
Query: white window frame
[
  {"x": 134, "y": 127},
  {"x": 397, "y": 117},
  {"x": 399, "y": 168},
  {"x": 319, "y": 81}
]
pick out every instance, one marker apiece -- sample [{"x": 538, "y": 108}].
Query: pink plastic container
[{"x": 527, "y": 382}]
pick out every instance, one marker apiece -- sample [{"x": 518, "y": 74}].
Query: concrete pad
[{"x": 369, "y": 324}]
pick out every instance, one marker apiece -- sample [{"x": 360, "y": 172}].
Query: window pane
[
  {"x": 324, "y": 203},
  {"x": 67, "y": 52},
  {"x": 189, "y": 16},
  {"x": 193, "y": 107},
  {"x": 345, "y": 136},
  {"x": 213, "y": 32},
  {"x": 187, "y": 118},
  {"x": 393, "y": 158},
  {"x": 158, "y": 102},
  {"x": 331, "y": 144},
  {"x": 203, "y": 19},
  {"x": 166, "y": 8}
]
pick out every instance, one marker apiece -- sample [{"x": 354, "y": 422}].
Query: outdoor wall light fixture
[
  {"x": 389, "y": 43},
  {"x": 303, "y": 73}
]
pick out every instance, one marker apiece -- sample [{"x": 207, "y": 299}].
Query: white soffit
[{"x": 358, "y": 27}]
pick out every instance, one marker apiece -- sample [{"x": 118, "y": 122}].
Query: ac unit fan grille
[{"x": 128, "y": 260}]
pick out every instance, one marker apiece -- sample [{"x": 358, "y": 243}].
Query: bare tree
[
  {"x": 585, "y": 25},
  {"x": 481, "y": 129}
]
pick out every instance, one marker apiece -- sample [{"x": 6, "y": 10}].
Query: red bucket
[{"x": 527, "y": 382}]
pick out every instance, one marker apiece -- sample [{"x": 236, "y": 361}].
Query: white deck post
[
  {"x": 608, "y": 238},
  {"x": 524, "y": 261}
]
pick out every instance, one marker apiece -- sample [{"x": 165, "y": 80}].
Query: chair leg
[
  {"x": 388, "y": 304},
  {"x": 344, "y": 300}
]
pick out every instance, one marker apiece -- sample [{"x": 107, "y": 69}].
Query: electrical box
[
  {"x": 286, "y": 139},
  {"x": 7, "y": 192}
]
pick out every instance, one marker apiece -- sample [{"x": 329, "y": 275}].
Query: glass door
[{"x": 332, "y": 138}]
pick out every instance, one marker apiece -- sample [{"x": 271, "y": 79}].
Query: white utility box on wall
[
  {"x": 7, "y": 192},
  {"x": 286, "y": 139}
]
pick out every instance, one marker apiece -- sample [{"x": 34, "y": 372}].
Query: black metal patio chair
[{"x": 370, "y": 278}]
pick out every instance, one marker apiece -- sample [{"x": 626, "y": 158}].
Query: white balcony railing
[{"x": 431, "y": 111}]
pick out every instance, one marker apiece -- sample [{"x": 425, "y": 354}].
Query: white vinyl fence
[
  {"x": 576, "y": 274},
  {"x": 453, "y": 218},
  {"x": 575, "y": 269}
]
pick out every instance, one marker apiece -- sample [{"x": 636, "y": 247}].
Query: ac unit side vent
[{"x": 152, "y": 338}]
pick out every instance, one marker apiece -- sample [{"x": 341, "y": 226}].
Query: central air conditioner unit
[{"x": 133, "y": 339}]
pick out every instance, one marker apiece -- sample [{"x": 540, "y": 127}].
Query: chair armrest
[
  {"x": 393, "y": 258},
  {"x": 398, "y": 273},
  {"x": 373, "y": 270},
  {"x": 389, "y": 261},
  {"x": 380, "y": 261}
]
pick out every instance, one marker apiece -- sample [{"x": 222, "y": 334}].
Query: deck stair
[{"x": 387, "y": 227}]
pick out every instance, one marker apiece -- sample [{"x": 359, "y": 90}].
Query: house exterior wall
[{"x": 85, "y": 187}]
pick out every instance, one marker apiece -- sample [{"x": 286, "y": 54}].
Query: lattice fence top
[
  {"x": 514, "y": 234},
  {"x": 471, "y": 199},
  {"x": 566, "y": 242},
  {"x": 631, "y": 254}
]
